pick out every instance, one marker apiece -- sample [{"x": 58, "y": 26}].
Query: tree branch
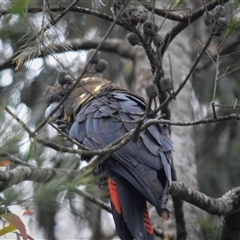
[
  {"x": 191, "y": 123},
  {"x": 167, "y": 14},
  {"x": 109, "y": 45},
  {"x": 119, "y": 143},
  {"x": 229, "y": 203},
  {"x": 228, "y": 206},
  {"x": 75, "y": 9}
]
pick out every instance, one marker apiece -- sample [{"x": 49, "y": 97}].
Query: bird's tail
[{"x": 129, "y": 210}]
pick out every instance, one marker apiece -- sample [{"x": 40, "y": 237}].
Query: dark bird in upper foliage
[{"x": 99, "y": 112}]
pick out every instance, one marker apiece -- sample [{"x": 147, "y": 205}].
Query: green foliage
[
  {"x": 210, "y": 226},
  {"x": 15, "y": 195},
  {"x": 234, "y": 25},
  {"x": 11, "y": 135},
  {"x": 30, "y": 152},
  {"x": 177, "y": 4},
  {"x": 234, "y": 21},
  {"x": 19, "y": 6}
]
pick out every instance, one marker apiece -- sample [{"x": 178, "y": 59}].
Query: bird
[{"x": 98, "y": 112}]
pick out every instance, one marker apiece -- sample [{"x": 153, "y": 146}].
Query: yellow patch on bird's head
[
  {"x": 86, "y": 80},
  {"x": 68, "y": 118},
  {"x": 93, "y": 84},
  {"x": 97, "y": 89},
  {"x": 90, "y": 87},
  {"x": 83, "y": 97},
  {"x": 87, "y": 89}
]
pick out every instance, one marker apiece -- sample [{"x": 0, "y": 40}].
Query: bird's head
[{"x": 85, "y": 90}]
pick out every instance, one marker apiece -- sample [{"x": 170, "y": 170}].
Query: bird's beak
[{"x": 57, "y": 114}]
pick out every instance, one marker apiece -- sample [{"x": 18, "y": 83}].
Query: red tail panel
[
  {"x": 147, "y": 222},
  {"x": 114, "y": 195}
]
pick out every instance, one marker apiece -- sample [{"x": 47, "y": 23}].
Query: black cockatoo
[{"x": 98, "y": 113}]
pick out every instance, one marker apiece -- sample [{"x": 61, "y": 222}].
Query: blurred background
[{"x": 22, "y": 89}]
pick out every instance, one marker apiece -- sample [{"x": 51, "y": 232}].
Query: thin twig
[
  {"x": 92, "y": 199},
  {"x": 43, "y": 23},
  {"x": 167, "y": 14},
  {"x": 194, "y": 65},
  {"x": 49, "y": 10},
  {"x": 76, "y": 9},
  {"x": 215, "y": 85},
  {"x": 169, "y": 98},
  {"x": 228, "y": 106},
  {"x": 189, "y": 19},
  {"x": 228, "y": 73},
  {"x": 68, "y": 137}
]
